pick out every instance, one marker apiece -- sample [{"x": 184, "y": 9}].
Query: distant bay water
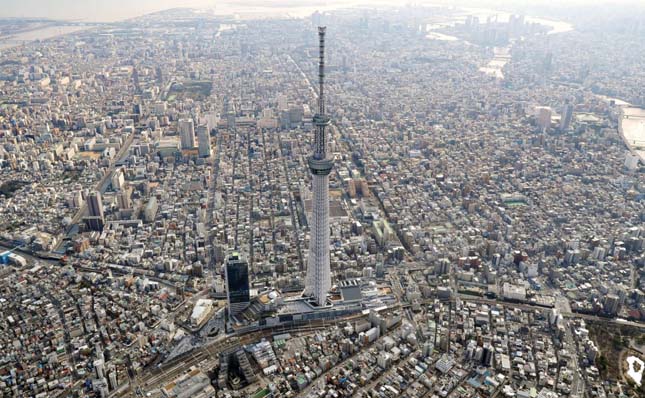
[
  {"x": 90, "y": 11},
  {"x": 116, "y": 10}
]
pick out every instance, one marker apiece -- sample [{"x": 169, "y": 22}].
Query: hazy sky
[{"x": 110, "y": 10}]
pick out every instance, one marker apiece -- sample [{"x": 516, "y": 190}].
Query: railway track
[{"x": 209, "y": 353}]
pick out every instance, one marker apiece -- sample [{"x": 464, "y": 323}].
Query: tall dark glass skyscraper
[{"x": 237, "y": 284}]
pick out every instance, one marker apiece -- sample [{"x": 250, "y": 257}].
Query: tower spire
[
  {"x": 321, "y": 70},
  {"x": 321, "y": 120}
]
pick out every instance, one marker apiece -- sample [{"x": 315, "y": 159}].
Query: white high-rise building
[
  {"x": 187, "y": 133},
  {"x": 566, "y": 117},
  {"x": 318, "y": 280},
  {"x": 118, "y": 179},
  {"x": 114, "y": 383},
  {"x": 631, "y": 161},
  {"x": 99, "y": 367},
  {"x": 204, "y": 140}
]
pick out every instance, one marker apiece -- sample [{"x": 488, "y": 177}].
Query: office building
[
  {"x": 611, "y": 304},
  {"x": 543, "y": 115},
  {"x": 237, "y": 284},
  {"x": 123, "y": 199},
  {"x": 631, "y": 161},
  {"x": 203, "y": 135},
  {"x": 95, "y": 205},
  {"x": 117, "y": 180},
  {"x": 187, "y": 133},
  {"x": 566, "y": 117},
  {"x": 99, "y": 367},
  {"x": 96, "y": 218},
  {"x": 114, "y": 382},
  {"x": 150, "y": 211}
]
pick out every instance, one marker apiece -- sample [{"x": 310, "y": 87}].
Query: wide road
[
  {"x": 101, "y": 185},
  {"x": 531, "y": 307}
]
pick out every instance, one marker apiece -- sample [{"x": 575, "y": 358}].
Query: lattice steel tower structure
[{"x": 318, "y": 280}]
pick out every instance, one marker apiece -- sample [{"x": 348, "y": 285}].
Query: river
[
  {"x": 118, "y": 10},
  {"x": 37, "y": 34},
  {"x": 495, "y": 68},
  {"x": 631, "y": 125},
  {"x": 632, "y": 129},
  {"x": 501, "y": 55}
]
